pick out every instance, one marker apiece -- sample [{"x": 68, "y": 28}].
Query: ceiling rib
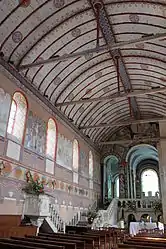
[
  {"x": 98, "y": 49},
  {"x": 109, "y": 37},
  {"x": 113, "y": 97},
  {"x": 141, "y": 121}
]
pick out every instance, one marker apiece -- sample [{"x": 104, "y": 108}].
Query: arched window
[
  {"x": 116, "y": 187},
  {"x": 90, "y": 170},
  {"x": 17, "y": 118},
  {"x": 51, "y": 138},
  {"x": 75, "y": 155},
  {"x": 75, "y": 161},
  {"x": 90, "y": 165},
  {"x": 149, "y": 182}
]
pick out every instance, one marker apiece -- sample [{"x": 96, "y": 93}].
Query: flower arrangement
[
  {"x": 34, "y": 187},
  {"x": 157, "y": 206}
]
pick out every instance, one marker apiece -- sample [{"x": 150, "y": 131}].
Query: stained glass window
[
  {"x": 150, "y": 182},
  {"x": 51, "y": 138},
  {"x": 75, "y": 161},
  {"x": 90, "y": 165},
  {"x": 16, "y": 123},
  {"x": 75, "y": 155},
  {"x": 12, "y": 117}
]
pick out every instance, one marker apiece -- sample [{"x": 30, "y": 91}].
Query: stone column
[
  {"x": 121, "y": 183},
  {"x": 162, "y": 166}
]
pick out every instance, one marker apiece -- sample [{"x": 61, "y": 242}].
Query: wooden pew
[
  {"x": 103, "y": 237},
  {"x": 90, "y": 241},
  {"x": 23, "y": 242},
  {"x": 10, "y": 220},
  {"x": 36, "y": 239},
  {"x": 5, "y": 245},
  {"x": 146, "y": 243},
  {"x": 7, "y": 232},
  {"x": 124, "y": 246}
]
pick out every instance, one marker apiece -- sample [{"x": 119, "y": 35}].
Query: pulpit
[{"x": 36, "y": 207}]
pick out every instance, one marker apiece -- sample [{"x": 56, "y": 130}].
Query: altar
[{"x": 135, "y": 227}]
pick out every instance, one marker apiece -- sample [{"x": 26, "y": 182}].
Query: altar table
[{"x": 135, "y": 227}]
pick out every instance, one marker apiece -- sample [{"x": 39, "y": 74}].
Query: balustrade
[{"x": 143, "y": 203}]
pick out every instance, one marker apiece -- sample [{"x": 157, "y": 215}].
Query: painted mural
[
  {"x": 83, "y": 164},
  {"x": 5, "y": 102},
  {"x": 96, "y": 171},
  {"x": 64, "y": 152},
  {"x": 17, "y": 172},
  {"x": 35, "y": 138}
]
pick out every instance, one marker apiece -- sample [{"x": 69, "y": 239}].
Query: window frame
[
  {"x": 26, "y": 114},
  {"x": 76, "y": 171},
  {"x": 141, "y": 178},
  {"x": 56, "y": 140}
]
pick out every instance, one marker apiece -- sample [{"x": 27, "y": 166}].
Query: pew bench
[
  {"x": 88, "y": 240},
  {"x": 65, "y": 244},
  {"x": 22, "y": 242}
]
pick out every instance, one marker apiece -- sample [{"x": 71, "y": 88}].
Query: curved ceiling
[
  {"x": 141, "y": 153},
  {"x": 36, "y": 30}
]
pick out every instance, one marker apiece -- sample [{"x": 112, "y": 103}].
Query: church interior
[{"x": 82, "y": 124}]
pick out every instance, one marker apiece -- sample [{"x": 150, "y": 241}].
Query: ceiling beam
[
  {"x": 109, "y": 36},
  {"x": 94, "y": 50},
  {"x": 113, "y": 97},
  {"x": 125, "y": 123},
  {"x": 143, "y": 139}
]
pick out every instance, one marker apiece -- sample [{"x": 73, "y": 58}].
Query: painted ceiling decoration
[{"x": 87, "y": 50}]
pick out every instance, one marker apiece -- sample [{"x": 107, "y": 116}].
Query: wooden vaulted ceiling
[{"x": 36, "y": 30}]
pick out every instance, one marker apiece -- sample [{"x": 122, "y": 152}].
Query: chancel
[{"x": 82, "y": 124}]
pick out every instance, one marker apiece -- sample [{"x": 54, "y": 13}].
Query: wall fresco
[
  {"x": 35, "y": 138},
  {"x": 64, "y": 152},
  {"x": 18, "y": 172},
  {"x": 96, "y": 171},
  {"x": 83, "y": 164},
  {"x": 5, "y": 102}
]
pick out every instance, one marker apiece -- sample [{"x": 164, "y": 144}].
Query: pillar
[{"x": 162, "y": 166}]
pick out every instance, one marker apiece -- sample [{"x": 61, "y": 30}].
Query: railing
[
  {"x": 143, "y": 203},
  {"x": 76, "y": 218},
  {"x": 108, "y": 217},
  {"x": 56, "y": 220}
]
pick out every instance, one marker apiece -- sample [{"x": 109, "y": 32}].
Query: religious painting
[
  {"x": 5, "y": 102},
  {"x": 35, "y": 138},
  {"x": 64, "y": 152},
  {"x": 83, "y": 163},
  {"x": 96, "y": 171}
]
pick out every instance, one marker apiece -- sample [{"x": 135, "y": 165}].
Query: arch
[
  {"x": 141, "y": 152},
  {"x": 111, "y": 167},
  {"x": 139, "y": 146},
  {"x": 149, "y": 182},
  {"x": 51, "y": 140},
  {"x": 17, "y": 117},
  {"x": 75, "y": 160}
]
